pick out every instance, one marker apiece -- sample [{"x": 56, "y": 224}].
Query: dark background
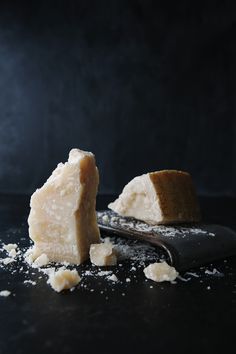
[{"x": 145, "y": 85}]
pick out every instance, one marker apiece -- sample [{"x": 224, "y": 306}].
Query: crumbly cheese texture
[
  {"x": 103, "y": 254},
  {"x": 41, "y": 261},
  {"x": 9, "y": 247},
  {"x": 63, "y": 279},
  {"x": 160, "y": 272},
  {"x": 5, "y": 293},
  {"x": 162, "y": 197},
  {"x": 62, "y": 220}
]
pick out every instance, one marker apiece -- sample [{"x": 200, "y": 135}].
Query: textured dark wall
[{"x": 143, "y": 86}]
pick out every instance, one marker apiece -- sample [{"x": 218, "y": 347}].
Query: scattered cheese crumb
[
  {"x": 160, "y": 272},
  {"x": 41, "y": 261},
  {"x": 113, "y": 277},
  {"x": 7, "y": 260},
  {"x": 105, "y": 219},
  {"x": 214, "y": 272},
  {"x": 12, "y": 253},
  {"x": 9, "y": 247},
  {"x": 104, "y": 273},
  {"x": 103, "y": 254},
  {"x": 30, "y": 282},
  {"x": 30, "y": 255},
  {"x": 195, "y": 275},
  {"x": 183, "y": 279},
  {"x": 63, "y": 279},
  {"x": 5, "y": 293}
]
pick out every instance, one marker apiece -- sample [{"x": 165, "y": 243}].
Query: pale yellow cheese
[
  {"x": 62, "y": 220},
  {"x": 162, "y": 197},
  {"x": 160, "y": 272},
  {"x": 63, "y": 279},
  {"x": 5, "y": 293},
  {"x": 103, "y": 254},
  {"x": 9, "y": 247},
  {"x": 41, "y": 261}
]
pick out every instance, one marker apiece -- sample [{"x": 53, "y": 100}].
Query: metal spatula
[{"x": 187, "y": 246}]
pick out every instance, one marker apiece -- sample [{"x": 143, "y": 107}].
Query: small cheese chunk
[
  {"x": 5, "y": 293},
  {"x": 7, "y": 260},
  {"x": 162, "y": 197},
  {"x": 63, "y": 279},
  {"x": 62, "y": 220},
  {"x": 9, "y": 247},
  {"x": 160, "y": 272},
  {"x": 103, "y": 254},
  {"x": 113, "y": 278},
  {"x": 30, "y": 255},
  {"x": 11, "y": 250},
  {"x": 41, "y": 261}
]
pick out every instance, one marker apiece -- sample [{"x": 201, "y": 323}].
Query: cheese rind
[
  {"x": 162, "y": 197},
  {"x": 160, "y": 272},
  {"x": 103, "y": 254},
  {"x": 62, "y": 220}
]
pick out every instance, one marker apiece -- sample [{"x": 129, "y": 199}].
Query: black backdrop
[{"x": 145, "y": 85}]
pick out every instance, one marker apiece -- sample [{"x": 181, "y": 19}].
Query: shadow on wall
[{"x": 142, "y": 86}]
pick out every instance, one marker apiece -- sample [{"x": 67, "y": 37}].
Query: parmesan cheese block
[
  {"x": 62, "y": 220},
  {"x": 162, "y": 197},
  {"x": 160, "y": 272},
  {"x": 103, "y": 254}
]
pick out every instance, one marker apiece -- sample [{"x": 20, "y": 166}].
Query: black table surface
[{"x": 137, "y": 317}]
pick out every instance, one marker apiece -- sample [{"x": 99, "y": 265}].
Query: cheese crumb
[
  {"x": 30, "y": 282},
  {"x": 7, "y": 260},
  {"x": 9, "y": 247},
  {"x": 160, "y": 272},
  {"x": 30, "y": 255},
  {"x": 5, "y": 293},
  {"x": 41, "y": 261},
  {"x": 105, "y": 219},
  {"x": 63, "y": 279},
  {"x": 12, "y": 253},
  {"x": 103, "y": 273},
  {"x": 103, "y": 254},
  {"x": 113, "y": 277}
]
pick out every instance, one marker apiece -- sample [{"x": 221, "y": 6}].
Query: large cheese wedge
[
  {"x": 62, "y": 220},
  {"x": 162, "y": 197}
]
